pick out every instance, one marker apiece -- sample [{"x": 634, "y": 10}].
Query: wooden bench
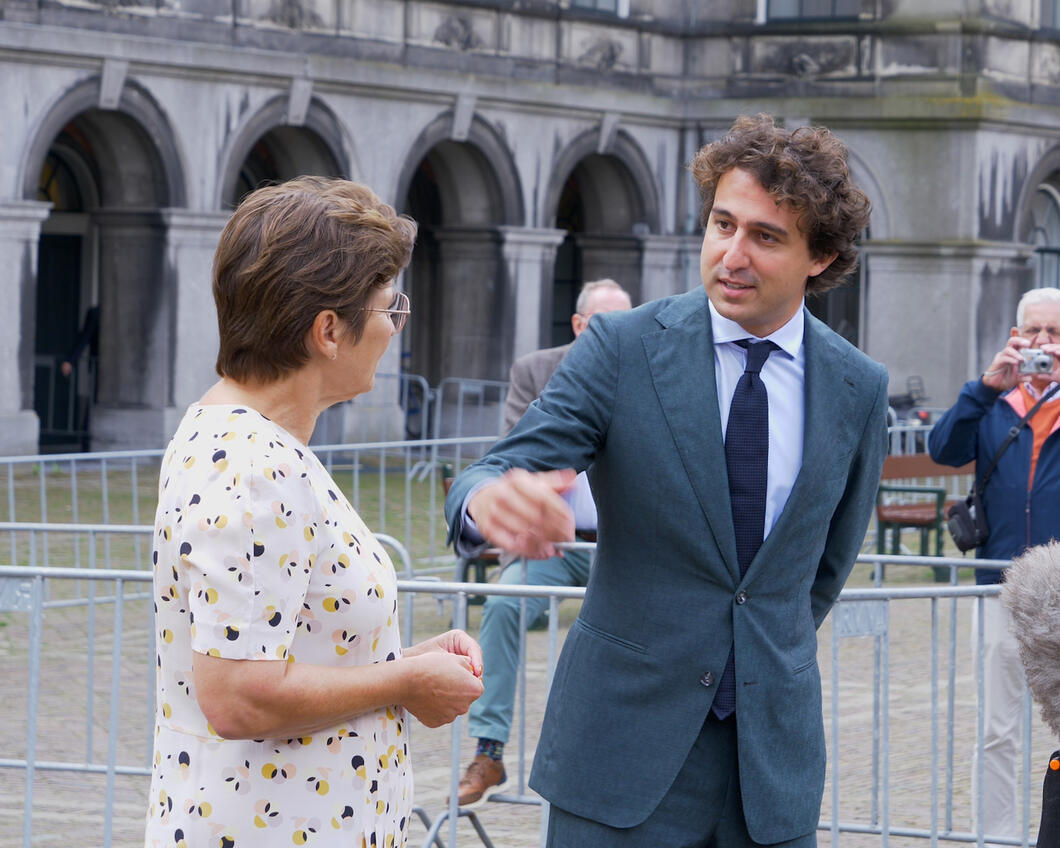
[{"x": 926, "y": 505}]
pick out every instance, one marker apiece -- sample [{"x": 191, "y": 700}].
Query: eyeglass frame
[
  {"x": 398, "y": 323},
  {"x": 1033, "y": 332}
]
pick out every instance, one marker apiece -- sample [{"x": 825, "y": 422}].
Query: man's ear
[
  {"x": 578, "y": 323},
  {"x": 1015, "y": 331},
  {"x": 819, "y": 265},
  {"x": 325, "y": 334}
]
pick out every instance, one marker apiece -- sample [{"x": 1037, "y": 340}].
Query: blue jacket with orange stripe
[{"x": 974, "y": 428}]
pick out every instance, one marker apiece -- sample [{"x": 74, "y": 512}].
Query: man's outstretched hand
[{"x": 523, "y": 511}]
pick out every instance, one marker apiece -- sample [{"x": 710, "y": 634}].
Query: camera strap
[{"x": 1011, "y": 437}]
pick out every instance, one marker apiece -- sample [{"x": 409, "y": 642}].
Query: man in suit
[
  {"x": 490, "y": 717},
  {"x": 686, "y": 705}
]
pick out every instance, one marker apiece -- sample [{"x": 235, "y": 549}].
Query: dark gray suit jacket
[
  {"x": 527, "y": 379},
  {"x": 636, "y": 400}
]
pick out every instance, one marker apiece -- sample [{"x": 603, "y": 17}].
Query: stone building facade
[{"x": 539, "y": 143}]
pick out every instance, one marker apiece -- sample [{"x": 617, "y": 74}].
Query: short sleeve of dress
[{"x": 247, "y": 543}]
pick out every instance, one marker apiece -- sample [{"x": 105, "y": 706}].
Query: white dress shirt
[{"x": 784, "y": 376}]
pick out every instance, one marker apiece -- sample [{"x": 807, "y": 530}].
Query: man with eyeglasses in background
[
  {"x": 1020, "y": 505},
  {"x": 490, "y": 717}
]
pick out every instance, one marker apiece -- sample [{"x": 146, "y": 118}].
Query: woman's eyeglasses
[{"x": 398, "y": 311}]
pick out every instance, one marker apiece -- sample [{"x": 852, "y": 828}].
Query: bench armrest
[{"x": 938, "y": 491}]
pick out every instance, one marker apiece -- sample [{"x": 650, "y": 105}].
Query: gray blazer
[
  {"x": 636, "y": 400},
  {"x": 527, "y": 379}
]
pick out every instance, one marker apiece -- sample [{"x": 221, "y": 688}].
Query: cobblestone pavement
[{"x": 67, "y": 807}]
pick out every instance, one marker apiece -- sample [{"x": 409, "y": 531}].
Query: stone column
[
  {"x": 614, "y": 256},
  {"x": 135, "y": 332},
  {"x": 191, "y": 239},
  {"x": 20, "y": 223},
  {"x": 940, "y": 311},
  {"x": 669, "y": 265},
  {"x": 474, "y": 313},
  {"x": 529, "y": 255}
]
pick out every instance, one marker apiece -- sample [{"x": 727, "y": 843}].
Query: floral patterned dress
[{"x": 259, "y": 556}]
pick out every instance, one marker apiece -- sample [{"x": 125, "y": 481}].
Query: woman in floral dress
[{"x": 283, "y": 692}]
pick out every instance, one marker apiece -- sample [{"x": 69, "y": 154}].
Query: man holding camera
[{"x": 1020, "y": 507}]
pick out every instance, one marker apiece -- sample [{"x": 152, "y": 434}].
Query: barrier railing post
[
  {"x": 115, "y": 700},
  {"x": 934, "y": 722},
  {"x": 35, "y": 635}
]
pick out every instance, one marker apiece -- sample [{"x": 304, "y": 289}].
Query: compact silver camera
[{"x": 1036, "y": 362}]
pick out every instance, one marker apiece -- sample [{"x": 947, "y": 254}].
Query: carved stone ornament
[
  {"x": 293, "y": 14},
  {"x": 457, "y": 32},
  {"x": 602, "y": 54},
  {"x": 804, "y": 65}
]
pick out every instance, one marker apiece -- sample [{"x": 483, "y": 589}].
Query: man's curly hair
[{"x": 805, "y": 167}]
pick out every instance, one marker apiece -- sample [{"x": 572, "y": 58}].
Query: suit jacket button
[
  {"x": 707, "y": 679},
  {"x": 741, "y": 597}
]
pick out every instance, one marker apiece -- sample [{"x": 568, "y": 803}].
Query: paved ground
[{"x": 67, "y": 807}]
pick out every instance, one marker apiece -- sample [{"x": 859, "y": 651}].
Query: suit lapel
[
  {"x": 832, "y": 428},
  {"x": 681, "y": 362}
]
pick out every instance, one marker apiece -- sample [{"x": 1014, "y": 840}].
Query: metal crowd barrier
[
  {"x": 398, "y": 403},
  {"x": 907, "y": 438},
  {"x": 890, "y": 656},
  {"x": 381, "y": 479},
  {"x": 463, "y": 407}
]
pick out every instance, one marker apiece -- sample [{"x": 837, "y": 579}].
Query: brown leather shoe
[{"x": 483, "y": 779}]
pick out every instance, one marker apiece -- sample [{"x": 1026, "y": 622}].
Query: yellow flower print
[
  {"x": 305, "y": 829},
  {"x": 278, "y": 774},
  {"x": 265, "y": 815},
  {"x": 318, "y": 785},
  {"x": 237, "y": 778},
  {"x": 344, "y": 818}
]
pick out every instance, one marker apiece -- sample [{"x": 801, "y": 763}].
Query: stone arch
[
  {"x": 138, "y": 125},
  {"x": 843, "y": 308},
  {"x": 464, "y": 191},
  {"x": 479, "y": 173},
  {"x": 607, "y": 201},
  {"x": 101, "y": 264},
  {"x": 1037, "y": 220},
  {"x": 622, "y": 163},
  {"x": 319, "y": 145},
  {"x": 865, "y": 177},
  {"x": 1046, "y": 171}
]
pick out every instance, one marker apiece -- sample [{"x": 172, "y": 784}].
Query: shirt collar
[
  {"x": 1034, "y": 394},
  {"x": 788, "y": 338}
]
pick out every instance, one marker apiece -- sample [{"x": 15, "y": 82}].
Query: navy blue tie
[{"x": 746, "y": 460}]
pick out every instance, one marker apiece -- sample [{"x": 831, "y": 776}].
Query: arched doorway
[
  {"x": 66, "y": 334},
  {"x": 462, "y": 188},
  {"x": 1045, "y": 233},
  {"x": 462, "y": 193},
  {"x": 606, "y": 203},
  {"x": 102, "y": 300},
  {"x": 267, "y": 151},
  {"x": 456, "y": 278},
  {"x": 840, "y": 308},
  {"x": 279, "y": 154}
]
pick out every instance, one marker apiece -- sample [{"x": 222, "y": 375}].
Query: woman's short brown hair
[
  {"x": 290, "y": 251},
  {"x": 805, "y": 167}
]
